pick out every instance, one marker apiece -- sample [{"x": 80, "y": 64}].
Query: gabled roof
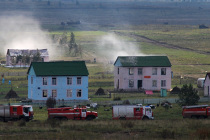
[
  {"x": 16, "y": 52},
  {"x": 207, "y": 74},
  {"x": 60, "y": 68},
  {"x": 143, "y": 61}
]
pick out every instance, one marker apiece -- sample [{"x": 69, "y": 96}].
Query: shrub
[
  {"x": 51, "y": 102},
  {"x": 117, "y": 99},
  {"x": 22, "y": 123},
  {"x": 188, "y": 96}
]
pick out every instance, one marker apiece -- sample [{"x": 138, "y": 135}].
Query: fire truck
[
  {"x": 16, "y": 112},
  {"x": 196, "y": 111},
  {"x": 65, "y": 113},
  {"x": 126, "y": 112}
]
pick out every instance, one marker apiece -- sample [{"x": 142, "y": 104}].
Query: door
[
  {"x": 148, "y": 112},
  {"x": 84, "y": 113},
  {"x": 139, "y": 84}
]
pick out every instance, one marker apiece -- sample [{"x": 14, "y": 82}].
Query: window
[
  {"x": 44, "y": 81},
  {"x": 54, "y": 93},
  {"x": 44, "y": 93},
  {"x": 130, "y": 71},
  {"x": 32, "y": 80},
  {"x": 131, "y": 83},
  {"x": 118, "y": 70},
  {"x": 163, "y": 71},
  {"x": 79, "y": 93},
  {"x": 14, "y": 109},
  {"x": 139, "y": 71},
  {"x": 69, "y": 81},
  {"x": 154, "y": 83},
  {"x": 69, "y": 93},
  {"x": 79, "y": 80},
  {"x": 54, "y": 81},
  {"x": 154, "y": 71},
  {"x": 163, "y": 83}
]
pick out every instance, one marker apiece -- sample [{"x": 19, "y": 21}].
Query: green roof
[
  {"x": 143, "y": 61},
  {"x": 60, "y": 68}
]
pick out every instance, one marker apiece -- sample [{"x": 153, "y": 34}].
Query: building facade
[
  {"x": 207, "y": 85},
  {"x": 23, "y": 58},
  {"x": 133, "y": 73},
  {"x": 65, "y": 80}
]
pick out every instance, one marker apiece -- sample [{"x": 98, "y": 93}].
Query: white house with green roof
[
  {"x": 63, "y": 80},
  {"x": 132, "y": 73}
]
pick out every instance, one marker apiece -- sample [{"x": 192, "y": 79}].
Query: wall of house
[
  {"x": 207, "y": 86},
  {"x": 46, "y": 58},
  {"x": 8, "y": 60},
  {"x": 35, "y": 90},
  {"x": 146, "y": 77}
]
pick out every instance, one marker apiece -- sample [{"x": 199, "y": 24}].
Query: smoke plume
[
  {"x": 114, "y": 47},
  {"x": 22, "y": 32}
]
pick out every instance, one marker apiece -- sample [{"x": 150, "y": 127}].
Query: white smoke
[
  {"x": 114, "y": 46},
  {"x": 22, "y": 32}
]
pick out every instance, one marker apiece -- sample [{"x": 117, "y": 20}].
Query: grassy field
[{"x": 168, "y": 124}]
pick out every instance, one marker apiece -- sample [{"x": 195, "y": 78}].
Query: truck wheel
[
  {"x": 64, "y": 119},
  {"x": 89, "y": 118},
  {"x": 122, "y": 118},
  {"x": 145, "y": 118},
  {"x": 194, "y": 117},
  {"x": 201, "y": 117}
]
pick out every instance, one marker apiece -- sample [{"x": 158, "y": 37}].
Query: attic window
[
  {"x": 130, "y": 71},
  {"x": 154, "y": 71},
  {"x": 44, "y": 81},
  {"x": 31, "y": 80},
  {"x": 163, "y": 71},
  {"x": 79, "y": 80},
  {"x": 54, "y": 81}
]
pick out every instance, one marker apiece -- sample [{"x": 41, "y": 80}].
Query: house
[
  {"x": 132, "y": 73},
  {"x": 63, "y": 80},
  {"x": 23, "y": 58},
  {"x": 207, "y": 85}
]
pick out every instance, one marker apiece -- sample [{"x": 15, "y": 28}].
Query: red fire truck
[
  {"x": 126, "y": 112},
  {"x": 16, "y": 112},
  {"x": 196, "y": 111},
  {"x": 65, "y": 113}
]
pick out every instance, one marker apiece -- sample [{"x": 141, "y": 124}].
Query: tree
[
  {"x": 37, "y": 57},
  {"x": 63, "y": 39},
  {"x": 188, "y": 96},
  {"x": 51, "y": 102},
  {"x": 74, "y": 48},
  {"x": 71, "y": 42}
]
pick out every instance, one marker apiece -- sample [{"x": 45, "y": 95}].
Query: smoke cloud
[
  {"x": 113, "y": 47},
  {"x": 23, "y": 32}
]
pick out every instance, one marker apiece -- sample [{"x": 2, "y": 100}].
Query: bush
[
  {"x": 188, "y": 96},
  {"x": 117, "y": 99},
  {"x": 22, "y": 123},
  {"x": 51, "y": 102}
]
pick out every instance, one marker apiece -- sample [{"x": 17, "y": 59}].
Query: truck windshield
[
  {"x": 83, "y": 110},
  {"x": 30, "y": 109},
  {"x": 148, "y": 109}
]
